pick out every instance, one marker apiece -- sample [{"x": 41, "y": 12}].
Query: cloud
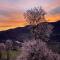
[
  {"x": 55, "y": 10},
  {"x": 10, "y": 1},
  {"x": 11, "y": 16},
  {"x": 11, "y": 8},
  {"x": 26, "y": 4}
]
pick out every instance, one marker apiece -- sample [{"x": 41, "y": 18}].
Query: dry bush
[
  {"x": 37, "y": 50},
  {"x": 42, "y": 31}
]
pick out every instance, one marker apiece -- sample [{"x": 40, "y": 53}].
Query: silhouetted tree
[{"x": 36, "y": 17}]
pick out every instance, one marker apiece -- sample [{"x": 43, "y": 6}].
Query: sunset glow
[{"x": 11, "y": 11}]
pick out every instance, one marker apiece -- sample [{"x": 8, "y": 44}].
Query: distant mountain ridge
[
  {"x": 19, "y": 33},
  {"x": 56, "y": 32},
  {"x": 22, "y": 33}
]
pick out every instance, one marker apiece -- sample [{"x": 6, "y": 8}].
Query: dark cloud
[
  {"x": 10, "y": 1},
  {"x": 55, "y": 10},
  {"x": 5, "y": 13}
]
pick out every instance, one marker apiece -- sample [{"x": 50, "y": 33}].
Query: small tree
[{"x": 35, "y": 17}]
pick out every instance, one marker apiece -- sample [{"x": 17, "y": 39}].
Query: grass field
[{"x": 12, "y": 55}]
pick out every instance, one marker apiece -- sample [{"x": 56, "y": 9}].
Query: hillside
[
  {"x": 23, "y": 33},
  {"x": 55, "y": 36}
]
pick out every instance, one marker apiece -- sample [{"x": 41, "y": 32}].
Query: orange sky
[
  {"x": 19, "y": 21},
  {"x": 11, "y": 11},
  {"x": 53, "y": 18}
]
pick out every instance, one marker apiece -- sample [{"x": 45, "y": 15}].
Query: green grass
[{"x": 12, "y": 54}]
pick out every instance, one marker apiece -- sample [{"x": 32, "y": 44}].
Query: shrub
[{"x": 37, "y": 50}]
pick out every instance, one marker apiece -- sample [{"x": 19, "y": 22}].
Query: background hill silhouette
[
  {"x": 23, "y": 33},
  {"x": 55, "y": 36}
]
